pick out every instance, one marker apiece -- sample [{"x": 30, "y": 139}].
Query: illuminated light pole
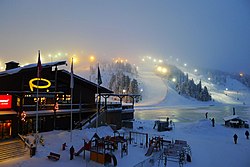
[
  {"x": 124, "y": 92},
  {"x": 71, "y": 96}
]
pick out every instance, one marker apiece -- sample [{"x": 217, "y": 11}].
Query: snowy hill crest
[{"x": 224, "y": 88}]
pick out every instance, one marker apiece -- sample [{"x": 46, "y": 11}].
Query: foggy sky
[{"x": 212, "y": 34}]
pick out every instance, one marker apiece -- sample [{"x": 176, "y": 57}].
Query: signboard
[
  {"x": 5, "y": 101},
  {"x": 32, "y": 85}
]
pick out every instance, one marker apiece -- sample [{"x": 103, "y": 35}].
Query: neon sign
[
  {"x": 32, "y": 85},
  {"x": 5, "y": 101}
]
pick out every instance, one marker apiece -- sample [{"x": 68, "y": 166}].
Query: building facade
[{"x": 24, "y": 99}]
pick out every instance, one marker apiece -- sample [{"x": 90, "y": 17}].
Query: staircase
[
  {"x": 90, "y": 122},
  {"x": 12, "y": 148}
]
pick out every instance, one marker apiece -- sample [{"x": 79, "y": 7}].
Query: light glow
[
  {"x": 92, "y": 58},
  {"x": 32, "y": 85},
  {"x": 164, "y": 70}
]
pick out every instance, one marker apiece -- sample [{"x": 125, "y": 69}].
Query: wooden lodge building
[{"x": 19, "y": 89}]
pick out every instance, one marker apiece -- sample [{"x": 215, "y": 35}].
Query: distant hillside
[
  {"x": 180, "y": 82},
  {"x": 224, "y": 87},
  {"x": 120, "y": 77}
]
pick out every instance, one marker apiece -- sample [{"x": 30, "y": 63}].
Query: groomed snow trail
[{"x": 154, "y": 89}]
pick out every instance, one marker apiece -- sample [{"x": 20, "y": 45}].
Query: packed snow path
[{"x": 154, "y": 89}]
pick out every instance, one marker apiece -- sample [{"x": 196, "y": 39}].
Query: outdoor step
[{"x": 12, "y": 148}]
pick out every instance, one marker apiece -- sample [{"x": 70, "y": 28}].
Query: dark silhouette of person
[
  {"x": 206, "y": 114},
  {"x": 64, "y": 146},
  {"x": 72, "y": 151},
  {"x": 167, "y": 121},
  {"x": 213, "y": 122},
  {"x": 235, "y": 138},
  {"x": 247, "y": 134}
]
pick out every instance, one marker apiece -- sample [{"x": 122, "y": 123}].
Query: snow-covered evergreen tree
[{"x": 185, "y": 86}]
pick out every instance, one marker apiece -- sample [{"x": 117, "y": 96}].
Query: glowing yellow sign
[{"x": 32, "y": 85}]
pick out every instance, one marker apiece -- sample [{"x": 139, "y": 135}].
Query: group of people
[
  {"x": 235, "y": 136},
  {"x": 212, "y": 120},
  {"x": 71, "y": 150}
]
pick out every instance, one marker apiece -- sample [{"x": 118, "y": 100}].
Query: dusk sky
[{"x": 212, "y": 34}]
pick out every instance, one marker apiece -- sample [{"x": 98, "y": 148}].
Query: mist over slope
[
  {"x": 156, "y": 90},
  {"x": 224, "y": 88}
]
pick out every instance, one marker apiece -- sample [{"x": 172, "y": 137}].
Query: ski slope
[
  {"x": 154, "y": 89},
  {"x": 159, "y": 92}
]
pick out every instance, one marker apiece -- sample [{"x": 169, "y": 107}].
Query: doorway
[{"x": 5, "y": 129}]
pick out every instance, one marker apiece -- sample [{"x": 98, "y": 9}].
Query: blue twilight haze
[{"x": 213, "y": 34}]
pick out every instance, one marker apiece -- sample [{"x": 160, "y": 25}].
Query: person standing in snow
[
  {"x": 64, "y": 145},
  {"x": 72, "y": 151},
  {"x": 233, "y": 111},
  {"x": 247, "y": 134},
  {"x": 235, "y": 138},
  {"x": 206, "y": 114},
  {"x": 213, "y": 122},
  {"x": 167, "y": 121}
]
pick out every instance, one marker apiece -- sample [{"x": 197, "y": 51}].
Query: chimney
[{"x": 11, "y": 65}]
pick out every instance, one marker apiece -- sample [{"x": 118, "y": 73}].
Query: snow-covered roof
[
  {"x": 18, "y": 69},
  {"x": 230, "y": 117},
  {"x": 102, "y": 131}
]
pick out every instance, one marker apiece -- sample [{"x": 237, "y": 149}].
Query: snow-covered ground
[{"x": 210, "y": 146}]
